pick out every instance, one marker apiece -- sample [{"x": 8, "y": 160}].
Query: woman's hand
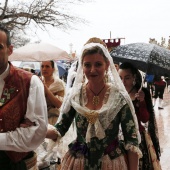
[
  {"x": 52, "y": 134},
  {"x": 140, "y": 95}
]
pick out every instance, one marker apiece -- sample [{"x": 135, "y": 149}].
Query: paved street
[{"x": 163, "y": 121}]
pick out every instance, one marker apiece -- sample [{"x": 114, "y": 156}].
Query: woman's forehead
[
  {"x": 46, "y": 63},
  {"x": 125, "y": 71},
  {"x": 93, "y": 57}
]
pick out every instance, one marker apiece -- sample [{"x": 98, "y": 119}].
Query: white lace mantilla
[{"x": 106, "y": 114}]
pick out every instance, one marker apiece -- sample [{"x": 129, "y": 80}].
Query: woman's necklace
[{"x": 96, "y": 98}]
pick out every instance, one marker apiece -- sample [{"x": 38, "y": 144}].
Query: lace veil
[{"x": 56, "y": 72}]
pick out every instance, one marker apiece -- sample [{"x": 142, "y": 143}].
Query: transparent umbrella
[{"x": 39, "y": 52}]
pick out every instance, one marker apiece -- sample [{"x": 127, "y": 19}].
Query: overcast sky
[{"x": 134, "y": 20}]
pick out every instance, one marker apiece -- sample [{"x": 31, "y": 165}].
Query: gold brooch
[
  {"x": 96, "y": 98},
  {"x": 91, "y": 117}
]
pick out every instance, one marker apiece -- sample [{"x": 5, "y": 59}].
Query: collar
[{"x": 5, "y": 73}]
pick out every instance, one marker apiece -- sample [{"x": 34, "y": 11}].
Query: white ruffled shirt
[{"x": 27, "y": 139}]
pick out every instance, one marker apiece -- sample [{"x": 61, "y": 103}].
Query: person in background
[
  {"x": 167, "y": 80},
  {"x": 160, "y": 85},
  {"x": 99, "y": 107},
  {"x": 54, "y": 89},
  {"x": 71, "y": 75},
  {"x": 22, "y": 102},
  {"x": 168, "y": 84},
  {"x": 64, "y": 77},
  {"x": 142, "y": 102},
  {"x": 117, "y": 65},
  {"x": 29, "y": 68},
  {"x": 54, "y": 94}
]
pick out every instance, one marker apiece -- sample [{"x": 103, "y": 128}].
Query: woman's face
[
  {"x": 46, "y": 69},
  {"x": 117, "y": 66},
  {"x": 94, "y": 67},
  {"x": 127, "y": 78}
]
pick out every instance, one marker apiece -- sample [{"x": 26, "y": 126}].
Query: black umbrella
[{"x": 149, "y": 58}]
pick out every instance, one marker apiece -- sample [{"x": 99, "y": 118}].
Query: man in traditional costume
[{"x": 23, "y": 112}]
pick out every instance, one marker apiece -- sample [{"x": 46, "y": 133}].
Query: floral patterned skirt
[
  {"x": 69, "y": 162},
  {"x": 149, "y": 160}
]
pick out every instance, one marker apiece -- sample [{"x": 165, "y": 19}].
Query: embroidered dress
[
  {"x": 97, "y": 145},
  {"x": 145, "y": 114}
]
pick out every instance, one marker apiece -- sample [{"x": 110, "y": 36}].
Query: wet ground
[{"x": 163, "y": 121}]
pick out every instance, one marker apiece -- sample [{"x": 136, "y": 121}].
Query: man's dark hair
[{"x": 4, "y": 29}]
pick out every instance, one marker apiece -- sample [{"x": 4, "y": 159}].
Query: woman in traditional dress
[
  {"x": 54, "y": 89},
  {"x": 99, "y": 107},
  {"x": 142, "y": 102}
]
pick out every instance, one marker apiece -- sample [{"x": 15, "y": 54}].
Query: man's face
[{"x": 5, "y": 51}]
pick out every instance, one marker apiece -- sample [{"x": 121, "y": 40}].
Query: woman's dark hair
[
  {"x": 5, "y": 30},
  {"x": 52, "y": 63},
  {"x": 135, "y": 72},
  {"x": 152, "y": 127}
]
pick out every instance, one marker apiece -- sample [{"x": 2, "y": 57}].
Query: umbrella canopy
[
  {"x": 61, "y": 69},
  {"x": 149, "y": 58},
  {"x": 39, "y": 52}
]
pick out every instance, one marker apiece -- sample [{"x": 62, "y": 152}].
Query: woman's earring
[
  {"x": 106, "y": 77},
  {"x": 83, "y": 78},
  {"x": 134, "y": 82}
]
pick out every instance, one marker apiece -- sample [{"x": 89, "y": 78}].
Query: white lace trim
[
  {"x": 134, "y": 149},
  {"x": 106, "y": 114}
]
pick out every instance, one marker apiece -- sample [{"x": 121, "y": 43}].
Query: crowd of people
[{"x": 104, "y": 103}]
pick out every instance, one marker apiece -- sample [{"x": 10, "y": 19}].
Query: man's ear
[{"x": 10, "y": 49}]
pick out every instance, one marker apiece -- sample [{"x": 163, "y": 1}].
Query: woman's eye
[
  {"x": 98, "y": 64},
  {"x": 87, "y": 65},
  {"x": 127, "y": 78}
]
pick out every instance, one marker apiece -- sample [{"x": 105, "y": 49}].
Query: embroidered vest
[{"x": 13, "y": 104}]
